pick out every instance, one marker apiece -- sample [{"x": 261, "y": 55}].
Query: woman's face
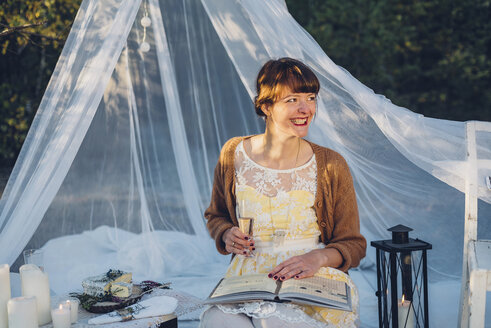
[{"x": 292, "y": 113}]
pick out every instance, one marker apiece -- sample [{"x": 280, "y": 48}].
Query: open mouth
[{"x": 299, "y": 121}]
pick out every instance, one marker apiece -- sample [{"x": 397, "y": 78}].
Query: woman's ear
[{"x": 265, "y": 109}]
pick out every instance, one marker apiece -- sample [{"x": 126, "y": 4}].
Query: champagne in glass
[{"x": 246, "y": 225}]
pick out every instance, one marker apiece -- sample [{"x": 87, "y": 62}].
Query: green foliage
[
  {"x": 32, "y": 33},
  {"x": 14, "y": 126},
  {"x": 432, "y": 57}
]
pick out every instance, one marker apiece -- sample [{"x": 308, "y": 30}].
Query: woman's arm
[
  {"x": 306, "y": 265},
  {"x": 220, "y": 215},
  {"x": 217, "y": 215},
  {"x": 228, "y": 237},
  {"x": 345, "y": 236}
]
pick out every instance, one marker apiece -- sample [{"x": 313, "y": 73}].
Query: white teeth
[{"x": 299, "y": 121}]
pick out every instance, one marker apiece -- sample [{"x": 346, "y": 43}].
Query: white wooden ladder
[{"x": 476, "y": 271}]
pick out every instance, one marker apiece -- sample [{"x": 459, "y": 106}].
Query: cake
[
  {"x": 100, "y": 285},
  {"x": 121, "y": 289}
]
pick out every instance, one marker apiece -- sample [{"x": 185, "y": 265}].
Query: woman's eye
[
  {"x": 291, "y": 100},
  {"x": 311, "y": 98}
]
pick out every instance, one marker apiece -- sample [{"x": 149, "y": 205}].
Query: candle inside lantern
[
  {"x": 34, "y": 282},
  {"x": 4, "y": 294},
  {"x": 22, "y": 312},
  {"x": 405, "y": 314},
  {"x": 73, "y": 304},
  {"x": 61, "y": 316}
]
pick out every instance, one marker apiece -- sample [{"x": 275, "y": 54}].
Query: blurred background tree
[
  {"x": 32, "y": 33},
  {"x": 431, "y": 56}
]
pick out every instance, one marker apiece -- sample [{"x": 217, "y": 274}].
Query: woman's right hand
[{"x": 237, "y": 242}]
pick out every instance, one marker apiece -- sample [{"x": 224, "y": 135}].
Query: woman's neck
[{"x": 277, "y": 152}]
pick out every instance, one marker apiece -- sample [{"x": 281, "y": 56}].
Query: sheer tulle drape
[
  {"x": 129, "y": 139},
  {"x": 402, "y": 162},
  {"x": 60, "y": 126}
]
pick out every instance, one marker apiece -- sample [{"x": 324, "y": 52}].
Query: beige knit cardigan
[{"x": 335, "y": 203}]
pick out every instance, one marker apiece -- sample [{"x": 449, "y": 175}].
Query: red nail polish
[
  {"x": 275, "y": 277},
  {"x": 246, "y": 238},
  {"x": 244, "y": 252},
  {"x": 282, "y": 278},
  {"x": 297, "y": 276},
  {"x": 270, "y": 275},
  {"x": 252, "y": 244},
  {"x": 254, "y": 248}
]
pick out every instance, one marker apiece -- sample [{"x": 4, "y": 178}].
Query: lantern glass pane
[{"x": 402, "y": 274}]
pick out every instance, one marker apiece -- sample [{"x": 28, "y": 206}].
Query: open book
[{"x": 315, "y": 291}]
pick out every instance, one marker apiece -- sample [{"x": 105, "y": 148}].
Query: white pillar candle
[
  {"x": 4, "y": 294},
  {"x": 73, "y": 303},
  {"x": 22, "y": 312},
  {"x": 405, "y": 311},
  {"x": 61, "y": 316},
  {"x": 34, "y": 282}
]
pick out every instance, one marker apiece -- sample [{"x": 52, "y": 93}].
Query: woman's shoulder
[
  {"x": 327, "y": 154},
  {"x": 328, "y": 158},
  {"x": 228, "y": 148},
  {"x": 232, "y": 143}
]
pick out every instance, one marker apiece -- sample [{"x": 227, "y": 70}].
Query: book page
[
  {"x": 248, "y": 283},
  {"x": 317, "y": 287}
]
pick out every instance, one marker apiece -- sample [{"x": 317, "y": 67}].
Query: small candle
[
  {"x": 61, "y": 316},
  {"x": 4, "y": 294},
  {"x": 34, "y": 282},
  {"x": 22, "y": 312},
  {"x": 405, "y": 314},
  {"x": 73, "y": 304}
]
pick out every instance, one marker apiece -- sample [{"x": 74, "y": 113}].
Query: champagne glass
[
  {"x": 246, "y": 223},
  {"x": 246, "y": 226},
  {"x": 34, "y": 256}
]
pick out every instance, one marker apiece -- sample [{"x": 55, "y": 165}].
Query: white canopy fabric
[{"x": 125, "y": 141}]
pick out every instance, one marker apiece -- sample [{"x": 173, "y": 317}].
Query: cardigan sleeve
[
  {"x": 217, "y": 214},
  {"x": 346, "y": 236}
]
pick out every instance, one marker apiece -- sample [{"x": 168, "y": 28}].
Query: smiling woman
[
  {"x": 287, "y": 91},
  {"x": 302, "y": 201}
]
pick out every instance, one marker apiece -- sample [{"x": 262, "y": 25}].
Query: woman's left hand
[{"x": 306, "y": 265}]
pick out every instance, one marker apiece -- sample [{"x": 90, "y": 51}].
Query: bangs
[
  {"x": 298, "y": 79},
  {"x": 277, "y": 75}
]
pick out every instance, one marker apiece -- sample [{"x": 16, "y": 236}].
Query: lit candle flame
[
  {"x": 60, "y": 307},
  {"x": 402, "y": 298}
]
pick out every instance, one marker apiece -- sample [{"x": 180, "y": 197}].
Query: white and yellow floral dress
[{"x": 282, "y": 200}]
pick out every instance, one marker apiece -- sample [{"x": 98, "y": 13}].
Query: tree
[
  {"x": 429, "y": 56},
  {"x": 432, "y": 57},
  {"x": 32, "y": 35}
]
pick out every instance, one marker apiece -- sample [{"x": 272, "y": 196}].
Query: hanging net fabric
[{"x": 117, "y": 168}]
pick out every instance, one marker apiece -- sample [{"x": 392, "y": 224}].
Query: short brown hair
[{"x": 277, "y": 74}]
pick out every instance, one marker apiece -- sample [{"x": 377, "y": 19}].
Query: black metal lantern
[{"x": 402, "y": 280}]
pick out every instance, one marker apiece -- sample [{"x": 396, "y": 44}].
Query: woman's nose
[{"x": 303, "y": 106}]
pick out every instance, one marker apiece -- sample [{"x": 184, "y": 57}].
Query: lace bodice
[
  {"x": 276, "y": 199},
  {"x": 271, "y": 182}
]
